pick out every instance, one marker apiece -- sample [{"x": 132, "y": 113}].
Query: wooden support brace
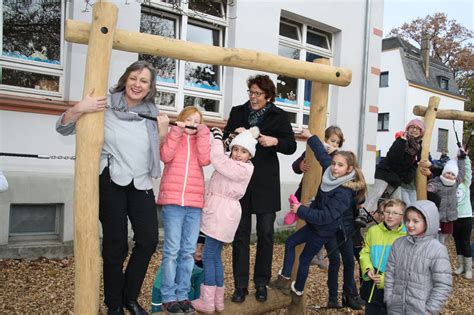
[
  {"x": 78, "y": 32},
  {"x": 448, "y": 114},
  {"x": 89, "y": 140},
  {"x": 430, "y": 117}
]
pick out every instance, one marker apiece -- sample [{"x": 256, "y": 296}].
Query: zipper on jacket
[{"x": 186, "y": 172}]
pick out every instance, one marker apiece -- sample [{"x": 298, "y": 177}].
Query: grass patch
[{"x": 281, "y": 235}]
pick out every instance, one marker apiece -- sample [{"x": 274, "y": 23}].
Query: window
[
  {"x": 383, "y": 119},
  {"x": 35, "y": 222},
  {"x": 183, "y": 83},
  {"x": 443, "y": 83},
  {"x": 442, "y": 140},
  {"x": 32, "y": 47},
  {"x": 383, "y": 79},
  {"x": 303, "y": 42}
]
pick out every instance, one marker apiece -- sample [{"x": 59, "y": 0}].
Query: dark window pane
[
  {"x": 290, "y": 29},
  {"x": 29, "y": 80},
  {"x": 383, "y": 121},
  {"x": 383, "y": 79},
  {"x": 442, "y": 140},
  {"x": 32, "y": 30},
  {"x": 165, "y": 99},
  {"x": 211, "y": 7},
  {"x": 308, "y": 84},
  {"x": 32, "y": 219},
  {"x": 317, "y": 40},
  {"x": 305, "y": 119},
  {"x": 209, "y": 105},
  {"x": 164, "y": 26},
  {"x": 287, "y": 88}
]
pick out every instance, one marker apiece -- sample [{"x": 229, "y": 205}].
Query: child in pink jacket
[
  {"x": 185, "y": 152},
  {"x": 221, "y": 214}
]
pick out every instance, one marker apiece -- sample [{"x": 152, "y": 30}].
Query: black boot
[
  {"x": 239, "y": 295},
  {"x": 134, "y": 308},
  {"x": 115, "y": 311},
  {"x": 261, "y": 293},
  {"x": 352, "y": 302}
]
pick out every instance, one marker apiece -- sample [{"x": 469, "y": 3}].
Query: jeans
[
  {"x": 346, "y": 249},
  {"x": 313, "y": 245},
  {"x": 116, "y": 204},
  {"x": 181, "y": 225},
  {"x": 241, "y": 250},
  {"x": 211, "y": 257}
]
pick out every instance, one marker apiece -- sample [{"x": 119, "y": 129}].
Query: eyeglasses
[
  {"x": 257, "y": 94},
  {"x": 391, "y": 213},
  {"x": 415, "y": 128}
]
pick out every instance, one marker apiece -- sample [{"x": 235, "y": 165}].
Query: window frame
[
  {"x": 443, "y": 80},
  {"x": 36, "y": 237},
  {"x": 304, "y": 48},
  {"x": 184, "y": 17},
  {"x": 37, "y": 66},
  {"x": 446, "y": 133},
  {"x": 380, "y": 117},
  {"x": 382, "y": 75}
]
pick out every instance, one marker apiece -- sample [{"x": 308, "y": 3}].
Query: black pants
[
  {"x": 375, "y": 309},
  {"x": 462, "y": 236},
  {"x": 116, "y": 203},
  {"x": 241, "y": 250}
]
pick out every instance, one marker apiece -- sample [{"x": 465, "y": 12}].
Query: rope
[{"x": 39, "y": 156}]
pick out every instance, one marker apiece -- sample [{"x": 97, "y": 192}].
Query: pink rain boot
[
  {"x": 219, "y": 299},
  {"x": 205, "y": 304}
]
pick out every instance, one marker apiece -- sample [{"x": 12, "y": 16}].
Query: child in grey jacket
[{"x": 418, "y": 275}]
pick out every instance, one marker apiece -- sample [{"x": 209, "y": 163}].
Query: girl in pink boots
[{"x": 222, "y": 211}]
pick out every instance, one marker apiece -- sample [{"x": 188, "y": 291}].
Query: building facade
[
  {"x": 42, "y": 75},
  {"x": 404, "y": 84}
]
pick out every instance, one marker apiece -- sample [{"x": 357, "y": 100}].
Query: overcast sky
[{"x": 399, "y": 11}]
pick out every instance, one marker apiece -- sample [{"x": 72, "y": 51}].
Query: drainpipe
[{"x": 363, "y": 97}]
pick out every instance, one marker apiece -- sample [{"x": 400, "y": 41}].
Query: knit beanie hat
[
  {"x": 417, "y": 123},
  {"x": 451, "y": 166},
  {"x": 247, "y": 139}
]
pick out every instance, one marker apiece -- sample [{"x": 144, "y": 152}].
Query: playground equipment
[
  {"x": 430, "y": 114},
  {"x": 101, "y": 37}
]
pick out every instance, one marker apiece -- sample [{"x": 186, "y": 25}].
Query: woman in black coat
[{"x": 262, "y": 197}]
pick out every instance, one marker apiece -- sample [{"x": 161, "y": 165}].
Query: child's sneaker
[
  {"x": 319, "y": 261},
  {"x": 172, "y": 308},
  {"x": 296, "y": 296}
]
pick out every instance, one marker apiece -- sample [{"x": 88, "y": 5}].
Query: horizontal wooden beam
[
  {"x": 448, "y": 114},
  {"x": 78, "y": 32},
  {"x": 275, "y": 301}
]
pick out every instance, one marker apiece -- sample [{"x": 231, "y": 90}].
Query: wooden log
[
  {"x": 449, "y": 114},
  {"x": 89, "y": 140},
  {"x": 78, "y": 32},
  {"x": 276, "y": 300},
  {"x": 312, "y": 177},
  {"x": 430, "y": 117}
]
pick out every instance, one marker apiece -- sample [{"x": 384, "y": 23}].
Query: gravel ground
[{"x": 46, "y": 286}]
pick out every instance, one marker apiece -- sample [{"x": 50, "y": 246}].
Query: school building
[{"x": 42, "y": 75}]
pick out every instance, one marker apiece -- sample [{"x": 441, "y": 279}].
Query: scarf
[
  {"x": 148, "y": 108},
  {"x": 256, "y": 116},
  {"x": 413, "y": 145},
  {"x": 329, "y": 182},
  {"x": 447, "y": 182}
]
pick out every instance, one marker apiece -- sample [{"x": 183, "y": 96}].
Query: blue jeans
[
  {"x": 181, "y": 226},
  {"x": 346, "y": 249},
  {"x": 211, "y": 258},
  {"x": 313, "y": 245}
]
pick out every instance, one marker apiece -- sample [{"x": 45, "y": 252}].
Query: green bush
[{"x": 282, "y": 234}]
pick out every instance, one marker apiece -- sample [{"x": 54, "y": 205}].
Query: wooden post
[
  {"x": 449, "y": 114},
  {"x": 430, "y": 117},
  {"x": 312, "y": 177},
  {"x": 78, "y": 32},
  {"x": 89, "y": 140}
]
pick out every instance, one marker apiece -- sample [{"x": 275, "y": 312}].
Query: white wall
[{"x": 392, "y": 99}]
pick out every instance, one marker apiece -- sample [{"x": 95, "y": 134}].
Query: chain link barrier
[{"x": 39, "y": 156}]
